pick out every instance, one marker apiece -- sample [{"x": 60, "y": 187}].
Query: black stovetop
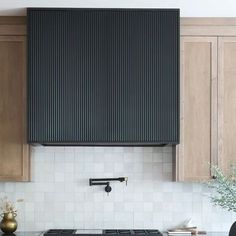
[
  {"x": 68, "y": 232},
  {"x": 132, "y": 232}
]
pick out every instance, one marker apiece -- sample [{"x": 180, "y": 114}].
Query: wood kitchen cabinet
[
  {"x": 14, "y": 152},
  {"x": 208, "y": 98},
  {"x": 198, "y": 108},
  {"x": 226, "y": 102}
]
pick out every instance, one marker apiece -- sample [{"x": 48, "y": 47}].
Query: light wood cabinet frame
[
  {"x": 219, "y": 31},
  {"x": 16, "y": 166},
  {"x": 183, "y": 170},
  {"x": 208, "y": 26},
  {"x": 227, "y": 103}
]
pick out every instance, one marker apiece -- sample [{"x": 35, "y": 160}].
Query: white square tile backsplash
[{"x": 59, "y": 195}]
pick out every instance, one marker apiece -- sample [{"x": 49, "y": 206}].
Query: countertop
[
  {"x": 22, "y": 234},
  {"x": 38, "y": 233}
]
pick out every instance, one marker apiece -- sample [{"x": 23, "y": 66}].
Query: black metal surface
[
  {"x": 67, "y": 232},
  {"x": 103, "y": 76},
  {"x": 93, "y": 181},
  {"x": 55, "y": 232},
  {"x": 106, "y": 181},
  {"x": 153, "y": 232},
  {"x": 232, "y": 231}
]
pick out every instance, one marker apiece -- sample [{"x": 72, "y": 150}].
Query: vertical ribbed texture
[{"x": 103, "y": 76}]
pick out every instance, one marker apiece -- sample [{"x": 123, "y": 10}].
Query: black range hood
[{"x": 103, "y": 76}]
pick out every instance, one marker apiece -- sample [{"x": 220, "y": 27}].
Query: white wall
[
  {"x": 59, "y": 195},
  {"x": 196, "y": 8}
]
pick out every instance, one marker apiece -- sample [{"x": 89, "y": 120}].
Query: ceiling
[{"x": 194, "y": 8}]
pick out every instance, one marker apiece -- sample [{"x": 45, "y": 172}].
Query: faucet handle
[
  {"x": 108, "y": 188},
  {"x": 126, "y": 181}
]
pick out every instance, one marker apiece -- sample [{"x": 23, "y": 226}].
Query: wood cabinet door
[
  {"x": 227, "y": 102},
  {"x": 14, "y": 152},
  {"x": 198, "y": 125}
]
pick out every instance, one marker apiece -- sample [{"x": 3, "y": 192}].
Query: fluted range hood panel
[{"x": 103, "y": 76}]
